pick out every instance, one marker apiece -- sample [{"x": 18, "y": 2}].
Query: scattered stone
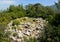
[{"x": 29, "y": 27}]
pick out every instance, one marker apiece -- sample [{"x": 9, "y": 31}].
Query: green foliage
[
  {"x": 38, "y": 10},
  {"x": 30, "y": 39},
  {"x": 16, "y": 22},
  {"x": 14, "y": 27},
  {"x": 52, "y": 31},
  {"x": 58, "y": 6},
  {"x": 56, "y": 20},
  {"x": 15, "y": 34},
  {"x": 52, "y": 34},
  {"x": 3, "y": 37}
]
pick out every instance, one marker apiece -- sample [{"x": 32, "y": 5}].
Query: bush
[{"x": 16, "y": 22}]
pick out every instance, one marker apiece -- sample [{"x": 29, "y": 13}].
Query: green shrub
[
  {"x": 13, "y": 27},
  {"x": 29, "y": 40},
  {"x": 16, "y": 22}
]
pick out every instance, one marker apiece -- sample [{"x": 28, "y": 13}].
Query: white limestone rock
[{"x": 28, "y": 28}]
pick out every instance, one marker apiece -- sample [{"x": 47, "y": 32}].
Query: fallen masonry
[{"x": 28, "y": 27}]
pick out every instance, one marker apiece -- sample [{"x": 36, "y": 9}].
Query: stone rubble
[{"x": 31, "y": 27}]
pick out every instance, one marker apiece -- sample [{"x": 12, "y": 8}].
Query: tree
[{"x": 58, "y": 6}]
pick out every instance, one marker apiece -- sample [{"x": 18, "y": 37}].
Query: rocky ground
[{"x": 25, "y": 28}]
